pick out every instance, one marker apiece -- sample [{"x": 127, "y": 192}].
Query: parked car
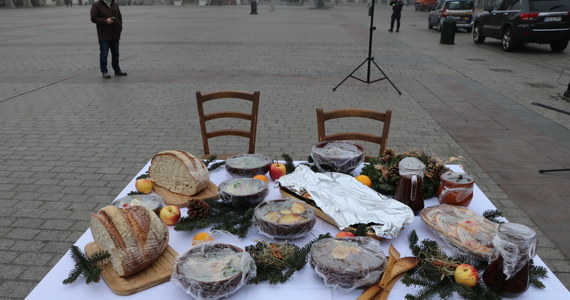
[
  {"x": 425, "y": 4},
  {"x": 461, "y": 11},
  {"x": 516, "y": 22}
]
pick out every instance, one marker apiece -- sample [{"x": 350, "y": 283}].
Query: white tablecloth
[{"x": 304, "y": 285}]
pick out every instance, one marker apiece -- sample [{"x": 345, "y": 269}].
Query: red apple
[
  {"x": 277, "y": 170},
  {"x": 170, "y": 215},
  {"x": 345, "y": 234},
  {"x": 144, "y": 185},
  {"x": 466, "y": 274}
]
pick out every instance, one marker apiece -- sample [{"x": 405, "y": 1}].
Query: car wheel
[
  {"x": 478, "y": 36},
  {"x": 468, "y": 29},
  {"x": 508, "y": 42},
  {"x": 429, "y": 25},
  {"x": 440, "y": 25},
  {"x": 558, "y": 46}
]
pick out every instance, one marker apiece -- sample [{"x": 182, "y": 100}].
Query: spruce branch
[
  {"x": 222, "y": 216},
  {"x": 289, "y": 165},
  {"x": 86, "y": 266},
  {"x": 493, "y": 215}
]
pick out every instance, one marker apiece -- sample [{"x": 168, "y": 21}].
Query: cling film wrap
[
  {"x": 515, "y": 247},
  {"x": 455, "y": 194},
  {"x": 461, "y": 229},
  {"x": 348, "y": 263},
  {"x": 284, "y": 218},
  {"x": 349, "y": 202},
  {"x": 215, "y": 269},
  {"x": 337, "y": 156}
]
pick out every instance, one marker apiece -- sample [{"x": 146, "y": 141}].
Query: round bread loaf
[
  {"x": 134, "y": 237},
  {"x": 179, "y": 172}
]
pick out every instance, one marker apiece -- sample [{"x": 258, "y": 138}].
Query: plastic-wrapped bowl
[
  {"x": 152, "y": 202},
  {"x": 348, "y": 263},
  {"x": 213, "y": 271},
  {"x": 338, "y": 156},
  {"x": 284, "y": 218},
  {"x": 247, "y": 165},
  {"x": 243, "y": 192}
]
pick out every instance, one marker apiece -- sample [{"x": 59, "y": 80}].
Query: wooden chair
[
  {"x": 252, "y": 117},
  {"x": 383, "y": 117}
]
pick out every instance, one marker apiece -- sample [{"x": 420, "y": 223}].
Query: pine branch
[
  {"x": 209, "y": 160},
  {"x": 86, "y": 266},
  {"x": 134, "y": 193},
  {"x": 222, "y": 216},
  {"x": 143, "y": 176},
  {"x": 289, "y": 165},
  {"x": 216, "y": 165},
  {"x": 536, "y": 273},
  {"x": 492, "y": 215}
]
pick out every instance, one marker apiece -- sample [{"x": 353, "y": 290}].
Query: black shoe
[
  {"x": 397, "y": 30},
  {"x": 106, "y": 75},
  {"x": 120, "y": 73},
  {"x": 390, "y": 30}
]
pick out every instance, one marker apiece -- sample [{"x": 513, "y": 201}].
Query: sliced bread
[{"x": 179, "y": 172}]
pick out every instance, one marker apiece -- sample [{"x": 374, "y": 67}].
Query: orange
[
  {"x": 201, "y": 237},
  {"x": 261, "y": 177},
  {"x": 364, "y": 180}
]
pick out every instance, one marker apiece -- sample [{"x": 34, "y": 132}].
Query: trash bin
[{"x": 448, "y": 29}]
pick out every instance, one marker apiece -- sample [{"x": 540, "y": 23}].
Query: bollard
[
  {"x": 253, "y": 7},
  {"x": 448, "y": 29}
]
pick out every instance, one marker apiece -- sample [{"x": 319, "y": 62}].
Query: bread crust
[{"x": 134, "y": 236}]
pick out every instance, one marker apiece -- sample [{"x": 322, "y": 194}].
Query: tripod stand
[{"x": 369, "y": 60}]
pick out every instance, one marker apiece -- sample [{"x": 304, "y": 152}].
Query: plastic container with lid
[{"x": 455, "y": 188}]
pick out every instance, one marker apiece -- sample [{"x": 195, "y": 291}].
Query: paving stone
[
  {"x": 27, "y": 245},
  {"x": 16, "y": 289},
  {"x": 10, "y": 271}
]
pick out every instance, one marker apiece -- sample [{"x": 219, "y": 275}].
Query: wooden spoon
[{"x": 401, "y": 266}]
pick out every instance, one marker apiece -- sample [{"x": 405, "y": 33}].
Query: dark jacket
[
  {"x": 396, "y": 5},
  {"x": 99, "y": 15}
]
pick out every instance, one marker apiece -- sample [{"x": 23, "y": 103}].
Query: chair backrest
[
  {"x": 384, "y": 117},
  {"x": 252, "y": 117}
]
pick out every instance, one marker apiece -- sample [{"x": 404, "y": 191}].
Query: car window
[
  {"x": 458, "y": 5},
  {"x": 495, "y": 6},
  {"x": 439, "y": 5},
  {"x": 516, "y": 5},
  {"x": 549, "y": 5},
  {"x": 506, "y": 4}
]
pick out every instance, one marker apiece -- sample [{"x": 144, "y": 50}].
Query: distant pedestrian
[
  {"x": 253, "y": 4},
  {"x": 107, "y": 16},
  {"x": 69, "y": 3},
  {"x": 396, "y": 14}
]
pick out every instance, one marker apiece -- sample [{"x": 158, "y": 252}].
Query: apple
[
  {"x": 345, "y": 234},
  {"x": 170, "y": 215},
  {"x": 143, "y": 185},
  {"x": 277, "y": 170},
  {"x": 466, "y": 274}
]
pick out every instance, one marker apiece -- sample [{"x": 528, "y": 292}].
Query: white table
[{"x": 304, "y": 285}]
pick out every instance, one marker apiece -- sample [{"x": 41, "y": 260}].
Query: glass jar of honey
[
  {"x": 508, "y": 272},
  {"x": 455, "y": 188}
]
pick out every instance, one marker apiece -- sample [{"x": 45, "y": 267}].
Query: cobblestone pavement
[{"x": 70, "y": 140}]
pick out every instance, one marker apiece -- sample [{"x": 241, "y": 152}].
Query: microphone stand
[{"x": 369, "y": 59}]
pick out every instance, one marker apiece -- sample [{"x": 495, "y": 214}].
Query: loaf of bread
[
  {"x": 179, "y": 172},
  {"x": 134, "y": 237}
]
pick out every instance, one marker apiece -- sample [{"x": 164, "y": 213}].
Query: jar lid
[{"x": 458, "y": 177}]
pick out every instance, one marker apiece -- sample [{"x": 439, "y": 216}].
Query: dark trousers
[
  {"x": 104, "y": 47},
  {"x": 395, "y": 17}
]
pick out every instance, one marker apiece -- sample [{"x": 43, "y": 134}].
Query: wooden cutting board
[
  {"x": 211, "y": 191},
  {"x": 159, "y": 272}
]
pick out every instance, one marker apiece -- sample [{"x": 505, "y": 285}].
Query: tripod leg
[
  {"x": 553, "y": 170},
  {"x": 386, "y": 77},
  {"x": 349, "y": 75}
]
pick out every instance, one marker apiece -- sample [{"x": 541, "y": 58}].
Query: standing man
[
  {"x": 396, "y": 14},
  {"x": 107, "y": 16}
]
